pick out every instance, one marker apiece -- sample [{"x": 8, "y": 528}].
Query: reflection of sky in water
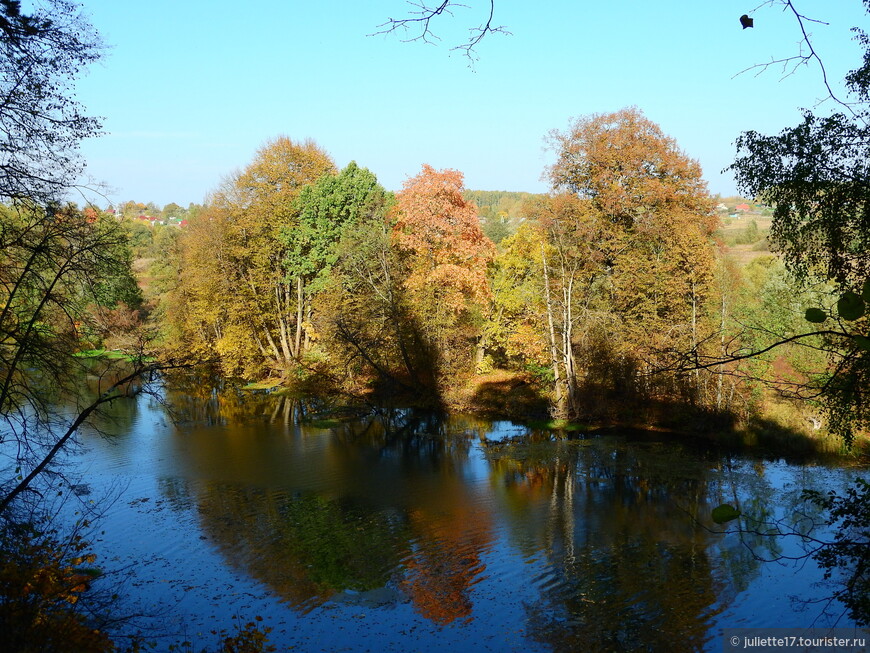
[
  {"x": 787, "y": 590},
  {"x": 515, "y": 547}
]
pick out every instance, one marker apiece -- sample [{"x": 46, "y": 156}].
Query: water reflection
[
  {"x": 372, "y": 503},
  {"x": 596, "y": 544},
  {"x": 627, "y": 567},
  {"x": 447, "y": 558},
  {"x": 306, "y": 548}
]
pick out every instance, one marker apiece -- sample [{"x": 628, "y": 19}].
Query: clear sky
[{"x": 190, "y": 90}]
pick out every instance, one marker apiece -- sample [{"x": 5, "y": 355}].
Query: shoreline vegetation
[
  {"x": 778, "y": 429},
  {"x": 638, "y": 304}
]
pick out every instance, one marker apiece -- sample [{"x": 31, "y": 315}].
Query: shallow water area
[{"x": 406, "y": 531}]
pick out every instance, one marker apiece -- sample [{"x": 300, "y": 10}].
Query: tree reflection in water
[
  {"x": 392, "y": 519},
  {"x": 613, "y": 535},
  {"x": 628, "y": 567},
  {"x": 305, "y": 548},
  {"x": 447, "y": 558}
]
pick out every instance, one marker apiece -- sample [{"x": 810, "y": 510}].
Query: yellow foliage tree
[
  {"x": 236, "y": 302},
  {"x": 623, "y": 258}
]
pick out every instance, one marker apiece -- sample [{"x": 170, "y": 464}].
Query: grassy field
[{"x": 735, "y": 230}]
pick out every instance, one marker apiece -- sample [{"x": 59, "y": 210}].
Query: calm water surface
[{"x": 403, "y": 532}]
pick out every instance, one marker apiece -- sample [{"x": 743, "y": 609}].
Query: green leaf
[
  {"x": 93, "y": 572},
  {"x": 815, "y": 315},
  {"x": 865, "y": 291},
  {"x": 725, "y": 513},
  {"x": 850, "y": 306},
  {"x": 863, "y": 342}
]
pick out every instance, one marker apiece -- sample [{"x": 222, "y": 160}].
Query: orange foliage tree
[
  {"x": 624, "y": 258},
  {"x": 630, "y": 170},
  {"x": 655, "y": 254},
  {"x": 447, "y": 256}
]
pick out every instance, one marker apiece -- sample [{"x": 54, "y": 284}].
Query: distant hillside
[
  {"x": 736, "y": 206},
  {"x": 500, "y": 211},
  {"x": 499, "y": 203}
]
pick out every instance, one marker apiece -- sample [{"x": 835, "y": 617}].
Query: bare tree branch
[
  {"x": 690, "y": 361},
  {"x": 806, "y": 55},
  {"x": 116, "y": 390},
  {"x": 420, "y": 20}
]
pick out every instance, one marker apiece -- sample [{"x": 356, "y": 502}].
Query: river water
[{"x": 401, "y": 531}]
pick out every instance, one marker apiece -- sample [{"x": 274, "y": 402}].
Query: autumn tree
[
  {"x": 571, "y": 263},
  {"x": 512, "y": 327},
  {"x": 626, "y": 263},
  {"x": 326, "y": 210},
  {"x": 631, "y": 171},
  {"x": 402, "y": 303},
  {"x": 192, "y": 312},
  {"x": 238, "y": 301},
  {"x": 366, "y": 320},
  {"x": 447, "y": 256}
]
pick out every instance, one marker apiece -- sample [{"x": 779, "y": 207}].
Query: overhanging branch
[{"x": 419, "y": 25}]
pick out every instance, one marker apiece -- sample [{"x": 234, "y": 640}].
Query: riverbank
[{"x": 771, "y": 426}]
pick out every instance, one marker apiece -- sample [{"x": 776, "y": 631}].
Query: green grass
[
  {"x": 89, "y": 353},
  {"x": 559, "y": 425},
  {"x": 261, "y": 385},
  {"x": 111, "y": 354}
]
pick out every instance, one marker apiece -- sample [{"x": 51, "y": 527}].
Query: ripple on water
[{"x": 430, "y": 543}]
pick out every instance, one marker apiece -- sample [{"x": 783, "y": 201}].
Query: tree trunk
[
  {"x": 554, "y": 349},
  {"x": 570, "y": 363},
  {"x": 300, "y": 312},
  {"x": 695, "y": 334},
  {"x": 720, "y": 376},
  {"x": 283, "y": 329}
]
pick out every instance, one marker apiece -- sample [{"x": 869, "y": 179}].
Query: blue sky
[{"x": 190, "y": 90}]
